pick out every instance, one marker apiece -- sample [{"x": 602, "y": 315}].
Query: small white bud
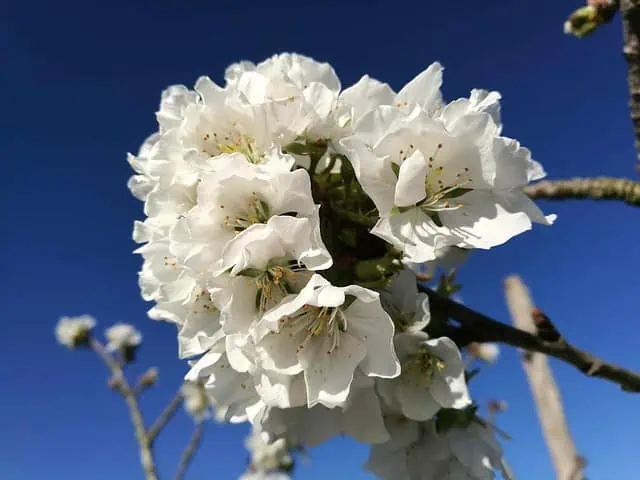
[
  {"x": 487, "y": 352},
  {"x": 73, "y": 332}
]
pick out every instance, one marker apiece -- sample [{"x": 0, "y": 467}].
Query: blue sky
[{"x": 80, "y": 83}]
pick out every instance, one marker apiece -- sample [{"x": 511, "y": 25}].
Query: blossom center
[
  {"x": 215, "y": 144},
  {"x": 438, "y": 194},
  {"x": 257, "y": 211},
  {"x": 274, "y": 284},
  {"x": 420, "y": 367},
  {"x": 314, "y": 322}
]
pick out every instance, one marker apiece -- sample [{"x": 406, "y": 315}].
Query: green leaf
[
  {"x": 296, "y": 148},
  {"x": 449, "y": 418},
  {"x": 396, "y": 169},
  {"x": 346, "y": 170},
  {"x": 349, "y": 236},
  {"x": 251, "y": 272}
]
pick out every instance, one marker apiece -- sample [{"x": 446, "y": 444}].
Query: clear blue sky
[{"x": 80, "y": 82}]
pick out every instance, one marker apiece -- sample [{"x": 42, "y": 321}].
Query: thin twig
[
  {"x": 189, "y": 451},
  {"x": 165, "y": 416},
  {"x": 473, "y": 326},
  {"x": 146, "y": 453},
  {"x": 600, "y": 188},
  {"x": 543, "y": 386}
]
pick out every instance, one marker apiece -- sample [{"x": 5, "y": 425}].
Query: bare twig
[
  {"x": 146, "y": 453},
  {"x": 601, "y": 188},
  {"x": 473, "y": 326},
  {"x": 165, "y": 416},
  {"x": 189, "y": 451},
  {"x": 543, "y": 386}
]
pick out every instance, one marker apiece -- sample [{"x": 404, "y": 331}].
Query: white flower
[
  {"x": 299, "y": 93},
  {"x": 121, "y": 336},
  {"x": 487, "y": 352},
  {"x": 174, "y": 102},
  {"x": 389, "y": 460},
  {"x": 457, "y": 453},
  {"x": 432, "y": 377},
  {"x": 264, "y": 476},
  {"x": 447, "y": 258},
  {"x": 444, "y": 180},
  {"x": 408, "y": 308},
  {"x": 236, "y": 196},
  {"x": 417, "y": 451},
  {"x": 267, "y": 262},
  {"x": 196, "y": 400},
  {"x": 360, "y": 418},
  {"x": 229, "y": 390},
  {"x": 280, "y": 77},
  {"x": 74, "y": 331},
  {"x": 268, "y": 454},
  {"x": 327, "y": 332},
  {"x": 236, "y": 383}
]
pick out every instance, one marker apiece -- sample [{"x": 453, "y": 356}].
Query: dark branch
[
  {"x": 601, "y": 188},
  {"x": 471, "y": 326}
]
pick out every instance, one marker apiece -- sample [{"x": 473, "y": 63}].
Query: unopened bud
[
  {"x": 586, "y": 19},
  {"x": 498, "y": 406},
  {"x": 149, "y": 378},
  {"x": 114, "y": 384},
  {"x": 487, "y": 352}
]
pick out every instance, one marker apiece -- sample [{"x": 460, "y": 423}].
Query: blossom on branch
[
  {"x": 283, "y": 216},
  {"x": 74, "y": 332}
]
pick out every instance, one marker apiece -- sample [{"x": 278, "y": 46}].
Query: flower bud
[
  {"x": 73, "y": 332},
  {"x": 487, "y": 352},
  {"x": 124, "y": 338},
  {"x": 149, "y": 378}
]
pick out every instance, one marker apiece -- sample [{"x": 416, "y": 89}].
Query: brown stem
[
  {"x": 189, "y": 452},
  {"x": 165, "y": 416},
  {"x": 146, "y": 452},
  {"x": 473, "y": 326},
  {"x": 601, "y": 188}
]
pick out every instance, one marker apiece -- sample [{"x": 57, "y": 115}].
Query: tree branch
[
  {"x": 601, "y": 188},
  {"x": 190, "y": 451},
  {"x": 543, "y": 386},
  {"x": 146, "y": 453},
  {"x": 165, "y": 416},
  {"x": 473, "y": 326},
  {"x": 630, "y": 11}
]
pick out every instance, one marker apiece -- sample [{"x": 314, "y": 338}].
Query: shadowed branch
[{"x": 471, "y": 326}]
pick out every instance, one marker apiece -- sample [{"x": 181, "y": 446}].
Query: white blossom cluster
[
  {"x": 270, "y": 458},
  {"x": 281, "y": 212}
]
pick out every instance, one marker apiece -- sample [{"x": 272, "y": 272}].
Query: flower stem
[
  {"x": 144, "y": 443},
  {"x": 190, "y": 451}
]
